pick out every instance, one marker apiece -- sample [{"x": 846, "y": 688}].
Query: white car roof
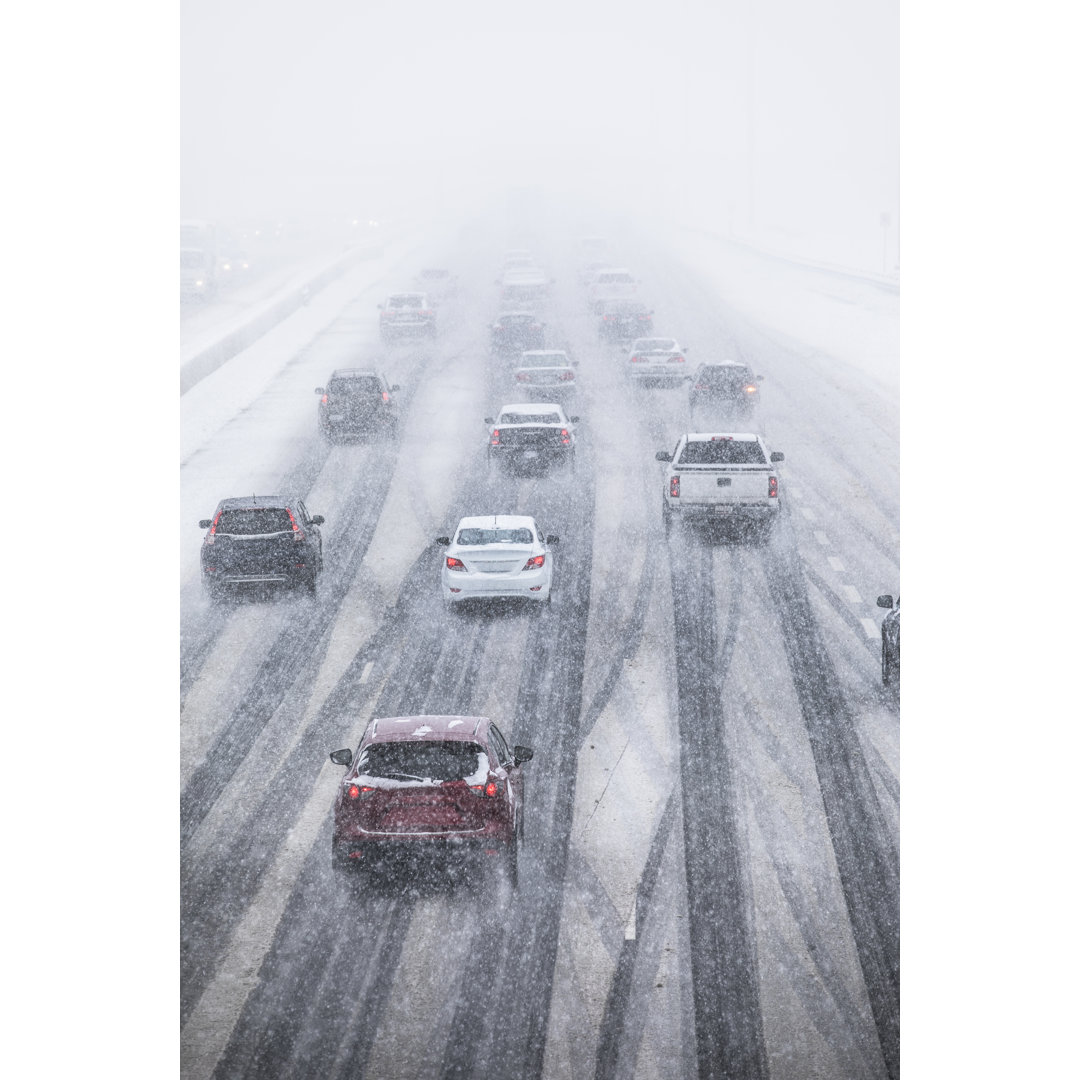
[
  {"x": 640, "y": 343},
  {"x": 545, "y": 353},
  {"x": 505, "y": 521},
  {"x": 533, "y": 407}
]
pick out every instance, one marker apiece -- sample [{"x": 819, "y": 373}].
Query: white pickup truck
[{"x": 727, "y": 475}]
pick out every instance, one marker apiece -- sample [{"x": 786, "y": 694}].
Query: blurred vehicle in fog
[
  {"x": 890, "y": 641},
  {"x": 515, "y": 331},
  {"x": 623, "y": 320},
  {"x": 439, "y": 284},
  {"x": 612, "y": 283},
  {"x": 546, "y": 375},
  {"x": 726, "y": 385},
  {"x": 656, "y": 359},
  {"x": 407, "y": 315},
  {"x": 531, "y": 434},
  {"x": 357, "y": 401}
]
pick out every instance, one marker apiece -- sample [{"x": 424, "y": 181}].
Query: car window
[
  {"x": 656, "y": 344},
  {"x": 558, "y": 360},
  {"x": 355, "y": 384},
  {"x": 724, "y": 376},
  {"x": 498, "y": 744},
  {"x": 472, "y": 537},
  {"x": 529, "y": 418},
  {"x": 256, "y": 521},
  {"x": 405, "y": 301},
  {"x": 449, "y": 760},
  {"x": 722, "y": 452}
]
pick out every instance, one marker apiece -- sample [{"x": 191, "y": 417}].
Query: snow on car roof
[
  {"x": 666, "y": 343},
  {"x": 385, "y": 728},
  {"x": 546, "y": 355},
  {"x": 501, "y": 521},
  {"x": 532, "y": 407},
  {"x": 708, "y": 436}
]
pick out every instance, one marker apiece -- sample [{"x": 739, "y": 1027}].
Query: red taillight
[
  {"x": 495, "y": 437},
  {"x": 325, "y": 398},
  {"x": 636, "y": 360},
  {"x": 522, "y": 377},
  {"x": 535, "y": 562},
  {"x": 213, "y": 528},
  {"x": 567, "y": 376},
  {"x": 607, "y": 318},
  {"x": 676, "y": 359},
  {"x": 490, "y": 789},
  {"x": 700, "y": 386},
  {"x": 385, "y": 396},
  {"x": 565, "y": 437},
  {"x": 295, "y": 528},
  {"x": 454, "y": 564},
  {"x": 773, "y": 487},
  {"x": 674, "y": 487},
  {"x": 354, "y": 791}
]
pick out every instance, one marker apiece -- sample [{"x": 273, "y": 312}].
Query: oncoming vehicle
[
  {"x": 531, "y": 433},
  {"x": 503, "y": 555},
  {"x": 546, "y": 374},
  {"x": 429, "y": 787},
  {"x": 890, "y": 641},
  {"x": 406, "y": 315},
  {"x": 261, "y": 540},
  {"x": 357, "y": 401},
  {"x": 197, "y": 273},
  {"x": 659, "y": 359},
  {"x": 724, "y": 386}
]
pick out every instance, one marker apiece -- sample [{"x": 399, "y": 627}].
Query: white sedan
[
  {"x": 657, "y": 358},
  {"x": 547, "y": 373},
  {"x": 496, "y": 556}
]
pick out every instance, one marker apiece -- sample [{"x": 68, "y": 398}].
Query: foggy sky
[{"x": 769, "y": 115}]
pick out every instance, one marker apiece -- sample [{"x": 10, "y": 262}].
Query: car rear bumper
[
  {"x": 756, "y": 511},
  {"x": 528, "y": 584}
]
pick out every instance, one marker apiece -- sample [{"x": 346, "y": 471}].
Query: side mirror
[
  {"x": 522, "y": 754},
  {"x": 663, "y": 455},
  {"x": 320, "y": 389},
  {"x": 885, "y": 601},
  {"x": 341, "y": 757},
  {"x": 395, "y": 387},
  {"x": 444, "y": 540},
  {"x": 575, "y": 419},
  {"x": 318, "y": 519},
  {"x": 776, "y": 456},
  {"x": 551, "y": 538},
  {"x": 488, "y": 420},
  {"x": 205, "y": 523}
]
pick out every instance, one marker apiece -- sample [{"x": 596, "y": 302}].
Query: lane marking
[
  {"x": 836, "y": 564},
  {"x": 870, "y": 627},
  {"x": 808, "y": 513},
  {"x": 367, "y": 671},
  {"x": 852, "y": 594},
  {"x": 822, "y": 539},
  {"x": 631, "y": 927}
]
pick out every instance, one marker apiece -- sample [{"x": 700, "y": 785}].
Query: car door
[{"x": 515, "y": 777}]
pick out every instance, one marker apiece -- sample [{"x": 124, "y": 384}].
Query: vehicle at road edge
[{"x": 890, "y": 641}]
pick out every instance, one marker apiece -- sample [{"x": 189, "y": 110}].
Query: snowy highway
[{"x": 710, "y": 878}]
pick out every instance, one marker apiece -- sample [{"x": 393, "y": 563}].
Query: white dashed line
[
  {"x": 870, "y": 627},
  {"x": 630, "y": 934},
  {"x": 852, "y": 594},
  {"x": 836, "y": 564},
  {"x": 808, "y": 513},
  {"x": 822, "y": 539},
  {"x": 367, "y": 670}
]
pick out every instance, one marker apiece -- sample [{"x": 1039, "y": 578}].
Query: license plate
[
  {"x": 531, "y": 453},
  {"x": 723, "y": 481}
]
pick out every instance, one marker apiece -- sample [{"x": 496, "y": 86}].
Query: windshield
[
  {"x": 358, "y": 384},
  {"x": 529, "y": 418},
  {"x": 725, "y": 376},
  {"x": 451, "y": 760},
  {"x": 722, "y": 452},
  {"x": 473, "y": 537},
  {"x": 555, "y": 360},
  {"x": 254, "y": 522},
  {"x": 405, "y": 301}
]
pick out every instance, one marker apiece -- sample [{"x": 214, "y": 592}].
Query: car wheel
[
  {"x": 311, "y": 583},
  {"x": 214, "y": 593},
  {"x": 765, "y": 530},
  {"x": 512, "y": 862},
  {"x": 668, "y": 518}
]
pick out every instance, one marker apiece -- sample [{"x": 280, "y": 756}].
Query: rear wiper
[{"x": 403, "y": 776}]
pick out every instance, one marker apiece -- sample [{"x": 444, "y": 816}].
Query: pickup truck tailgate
[{"x": 720, "y": 484}]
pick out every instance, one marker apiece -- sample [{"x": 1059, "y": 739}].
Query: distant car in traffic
[
  {"x": 546, "y": 375},
  {"x": 890, "y": 641},
  {"x": 611, "y": 283},
  {"x": 516, "y": 331},
  {"x": 728, "y": 386},
  {"x": 623, "y": 320},
  {"x": 497, "y": 555},
  {"x": 531, "y": 434},
  {"x": 438, "y": 284},
  {"x": 429, "y": 787},
  {"x": 357, "y": 401},
  {"x": 260, "y": 540},
  {"x": 658, "y": 359},
  {"x": 407, "y": 315}
]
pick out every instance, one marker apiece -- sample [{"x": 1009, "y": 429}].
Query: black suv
[
  {"x": 357, "y": 401},
  {"x": 516, "y": 332},
  {"x": 261, "y": 540},
  {"x": 623, "y": 320},
  {"x": 724, "y": 386}
]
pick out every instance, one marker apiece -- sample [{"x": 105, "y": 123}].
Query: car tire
[
  {"x": 765, "y": 530},
  {"x": 215, "y": 594},
  {"x": 310, "y": 581},
  {"x": 512, "y": 862},
  {"x": 668, "y": 518}
]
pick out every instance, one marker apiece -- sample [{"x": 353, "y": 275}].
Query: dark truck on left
[{"x": 261, "y": 540}]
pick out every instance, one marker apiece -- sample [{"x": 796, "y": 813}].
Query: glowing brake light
[
  {"x": 674, "y": 487},
  {"x": 454, "y": 564},
  {"x": 325, "y": 398},
  {"x": 490, "y": 789},
  {"x": 636, "y": 360},
  {"x": 773, "y": 486},
  {"x": 567, "y": 376},
  {"x": 385, "y": 396},
  {"x": 295, "y": 528},
  {"x": 535, "y": 562},
  {"x": 676, "y": 359},
  {"x": 522, "y": 376},
  {"x": 565, "y": 437},
  {"x": 495, "y": 437},
  {"x": 213, "y": 528}
]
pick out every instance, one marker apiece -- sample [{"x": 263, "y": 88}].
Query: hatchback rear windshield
[
  {"x": 254, "y": 522},
  {"x": 528, "y": 418},
  {"x": 406, "y": 301},
  {"x": 725, "y": 376},
  {"x": 558, "y": 360},
  {"x": 360, "y": 384},
  {"x": 656, "y": 344},
  {"x": 722, "y": 452},
  {"x": 469, "y": 537},
  {"x": 449, "y": 760}
]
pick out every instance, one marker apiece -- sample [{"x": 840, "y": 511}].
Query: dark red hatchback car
[{"x": 426, "y": 785}]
